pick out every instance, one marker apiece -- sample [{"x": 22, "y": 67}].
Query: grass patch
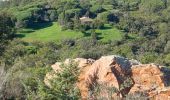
[
  {"x": 109, "y": 33},
  {"x": 52, "y": 32},
  {"x": 49, "y": 33}
]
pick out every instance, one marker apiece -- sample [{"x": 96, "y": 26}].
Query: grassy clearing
[
  {"x": 53, "y": 32},
  {"x": 109, "y": 33}
]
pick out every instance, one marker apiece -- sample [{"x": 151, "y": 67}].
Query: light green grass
[
  {"x": 55, "y": 33},
  {"x": 109, "y": 33},
  {"x": 51, "y": 33}
]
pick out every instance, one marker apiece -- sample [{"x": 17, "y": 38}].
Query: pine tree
[
  {"x": 77, "y": 23},
  {"x": 93, "y": 36},
  {"x": 64, "y": 84}
]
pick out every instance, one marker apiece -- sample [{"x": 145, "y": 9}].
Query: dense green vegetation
[{"x": 36, "y": 33}]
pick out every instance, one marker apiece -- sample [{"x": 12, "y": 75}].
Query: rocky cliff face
[{"x": 127, "y": 76}]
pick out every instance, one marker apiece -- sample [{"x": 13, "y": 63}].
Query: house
[{"x": 86, "y": 20}]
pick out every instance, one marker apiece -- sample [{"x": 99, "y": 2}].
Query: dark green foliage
[
  {"x": 65, "y": 82},
  {"x": 107, "y": 17},
  {"x": 152, "y": 5},
  {"x": 77, "y": 23},
  {"x": 93, "y": 36},
  {"x": 34, "y": 88},
  {"x": 98, "y": 24},
  {"x": 167, "y": 59},
  {"x": 7, "y": 30},
  {"x": 52, "y": 15},
  {"x": 63, "y": 85},
  {"x": 167, "y": 47},
  {"x": 96, "y": 9},
  {"x": 6, "y": 26}
]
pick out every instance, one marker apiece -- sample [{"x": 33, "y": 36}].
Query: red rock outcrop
[
  {"x": 117, "y": 72},
  {"x": 147, "y": 77},
  {"x": 162, "y": 94},
  {"x": 110, "y": 70}
]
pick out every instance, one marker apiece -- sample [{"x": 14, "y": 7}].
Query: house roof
[{"x": 86, "y": 19}]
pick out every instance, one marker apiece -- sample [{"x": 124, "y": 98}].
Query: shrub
[
  {"x": 148, "y": 57},
  {"x": 97, "y": 9},
  {"x": 167, "y": 47},
  {"x": 64, "y": 83},
  {"x": 101, "y": 92},
  {"x": 137, "y": 96},
  {"x": 167, "y": 59}
]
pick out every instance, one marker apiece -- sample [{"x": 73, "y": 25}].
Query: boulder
[
  {"x": 163, "y": 94},
  {"x": 147, "y": 77},
  {"x": 111, "y": 70},
  {"x": 126, "y": 76}
]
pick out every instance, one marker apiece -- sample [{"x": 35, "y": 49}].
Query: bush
[
  {"x": 101, "y": 92},
  {"x": 167, "y": 47},
  {"x": 96, "y": 9},
  {"x": 64, "y": 83},
  {"x": 167, "y": 59},
  {"x": 104, "y": 16},
  {"x": 98, "y": 24},
  {"x": 137, "y": 96},
  {"x": 52, "y": 15},
  {"x": 148, "y": 57}
]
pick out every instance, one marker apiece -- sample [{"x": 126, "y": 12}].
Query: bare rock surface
[{"x": 115, "y": 71}]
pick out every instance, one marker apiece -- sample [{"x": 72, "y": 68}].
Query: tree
[
  {"x": 87, "y": 14},
  {"x": 151, "y": 6},
  {"x": 98, "y": 24},
  {"x": 167, "y": 59},
  {"x": 148, "y": 31},
  {"x": 96, "y": 9},
  {"x": 93, "y": 36},
  {"x": 63, "y": 19},
  {"x": 77, "y": 23},
  {"x": 108, "y": 17},
  {"x": 6, "y": 26},
  {"x": 112, "y": 2},
  {"x": 64, "y": 83},
  {"x": 167, "y": 47},
  {"x": 6, "y": 29},
  {"x": 103, "y": 16},
  {"x": 163, "y": 28},
  {"x": 53, "y": 15},
  {"x": 148, "y": 57},
  {"x": 165, "y": 3},
  {"x": 85, "y": 4}
]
